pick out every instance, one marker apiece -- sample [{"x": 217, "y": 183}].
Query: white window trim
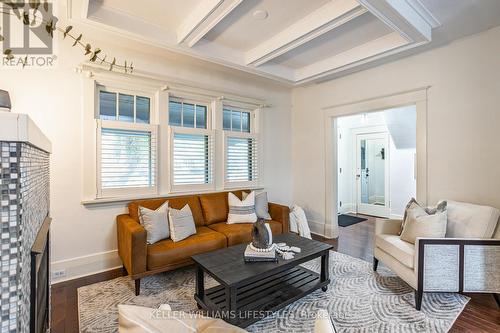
[
  {"x": 159, "y": 94},
  {"x": 245, "y": 184}
]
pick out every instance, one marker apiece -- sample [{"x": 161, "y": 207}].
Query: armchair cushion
[
  {"x": 387, "y": 226},
  {"x": 466, "y": 220},
  {"x": 399, "y": 249}
]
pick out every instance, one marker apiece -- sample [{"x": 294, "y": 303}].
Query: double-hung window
[
  {"x": 241, "y": 149},
  {"x": 126, "y": 144},
  {"x": 191, "y": 145}
]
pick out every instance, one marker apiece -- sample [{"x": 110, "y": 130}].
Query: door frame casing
[
  {"x": 417, "y": 97},
  {"x": 382, "y": 211}
]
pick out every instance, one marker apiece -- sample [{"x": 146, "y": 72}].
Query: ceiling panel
[
  {"x": 324, "y": 39},
  {"x": 164, "y": 13},
  {"x": 242, "y": 31},
  {"x": 355, "y": 32}
]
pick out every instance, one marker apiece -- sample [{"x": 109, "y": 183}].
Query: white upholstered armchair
[{"x": 467, "y": 260}]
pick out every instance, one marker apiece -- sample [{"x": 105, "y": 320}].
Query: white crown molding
[
  {"x": 319, "y": 22},
  {"x": 353, "y": 56},
  {"x": 411, "y": 22},
  {"x": 401, "y": 17},
  {"x": 355, "y": 64},
  {"x": 203, "y": 19},
  {"x": 424, "y": 12}
]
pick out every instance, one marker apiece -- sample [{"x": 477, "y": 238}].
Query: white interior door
[{"x": 372, "y": 174}]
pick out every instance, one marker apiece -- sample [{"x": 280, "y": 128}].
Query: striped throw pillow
[{"x": 241, "y": 211}]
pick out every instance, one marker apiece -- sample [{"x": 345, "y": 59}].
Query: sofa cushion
[
  {"x": 167, "y": 252},
  {"x": 173, "y": 202},
  {"x": 403, "y": 251},
  {"x": 215, "y": 206},
  {"x": 242, "y": 232},
  {"x": 466, "y": 220}
]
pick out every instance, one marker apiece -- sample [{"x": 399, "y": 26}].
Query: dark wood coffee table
[{"x": 249, "y": 292}]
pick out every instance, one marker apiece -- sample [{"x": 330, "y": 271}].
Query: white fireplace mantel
[{"x": 17, "y": 127}]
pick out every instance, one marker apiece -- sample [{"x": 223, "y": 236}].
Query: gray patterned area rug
[{"x": 358, "y": 300}]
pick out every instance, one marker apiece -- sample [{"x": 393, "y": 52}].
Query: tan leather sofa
[{"x": 212, "y": 232}]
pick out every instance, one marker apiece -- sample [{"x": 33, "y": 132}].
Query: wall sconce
[{"x": 4, "y": 101}]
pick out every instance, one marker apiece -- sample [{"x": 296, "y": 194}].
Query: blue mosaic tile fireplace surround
[{"x": 24, "y": 206}]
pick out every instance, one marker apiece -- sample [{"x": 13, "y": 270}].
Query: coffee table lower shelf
[{"x": 260, "y": 298}]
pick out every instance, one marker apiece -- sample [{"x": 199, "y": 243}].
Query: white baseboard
[
  {"x": 347, "y": 208},
  {"x": 86, "y": 265},
  {"x": 396, "y": 217},
  {"x": 321, "y": 229},
  {"x": 317, "y": 228}
]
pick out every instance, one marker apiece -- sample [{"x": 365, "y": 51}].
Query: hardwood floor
[{"x": 480, "y": 315}]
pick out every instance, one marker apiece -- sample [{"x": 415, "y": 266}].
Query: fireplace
[
  {"x": 40, "y": 282},
  {"x": 24, "y": 221}
]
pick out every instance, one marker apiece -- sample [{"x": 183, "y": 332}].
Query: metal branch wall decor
[{"x": 36, "y": 13}]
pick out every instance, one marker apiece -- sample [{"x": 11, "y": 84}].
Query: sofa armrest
[
  {"x": 457, "y": 264},
  {"x": 387, "y": 226},
  {"x": 132, "y": 246},
  {"x": 281, "y": 214}
]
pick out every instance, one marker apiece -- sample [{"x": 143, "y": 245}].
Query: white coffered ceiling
[{"x": 292, "y": 41}]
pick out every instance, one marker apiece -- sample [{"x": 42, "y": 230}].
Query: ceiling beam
[
  {"x": 356, "y": 56},
  {"x": 409, "y": 18},
  {"x": 203, "y": 18},
  {"x": 326, "y": 18}
]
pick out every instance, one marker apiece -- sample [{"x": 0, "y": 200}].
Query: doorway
[
  {"x": 332, "y": 115},
  {"x": 376, "y": 154}
]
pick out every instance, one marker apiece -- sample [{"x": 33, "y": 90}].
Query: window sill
[{"x": 113, "y": 201}]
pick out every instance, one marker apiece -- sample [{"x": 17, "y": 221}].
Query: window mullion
[
  {"x": 117, "y": 101},
  {"x": 135, "y": 110}
]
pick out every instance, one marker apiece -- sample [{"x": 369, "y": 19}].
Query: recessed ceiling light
[{"x": 260, "y": 14}]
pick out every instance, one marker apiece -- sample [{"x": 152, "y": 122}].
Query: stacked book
[{"x": 254, "y": 256}]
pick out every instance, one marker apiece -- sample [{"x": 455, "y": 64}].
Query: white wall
[
  {"x": 403, "y": 184},
  {"x": 462, "y": 119},
  {"x": 84, "y": 238}
]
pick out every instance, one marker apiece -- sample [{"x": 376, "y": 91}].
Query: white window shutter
[
  {"x": 242, "y": 159},
  {"x": 127, "y": 157},
  {"x": 192, "y": 158}
]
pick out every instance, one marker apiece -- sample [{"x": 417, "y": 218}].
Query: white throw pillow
[
  {"x": 423, "y": 225},
  {"x": 261, "y": 204},
  {"x": 155, "y": 222},
  {"x": 323, "y": 323},
  {"x": 421, "y": 211},
  {"x": 181, "y": 223},
  {"x": 139, "y": 319},
  {"x": 241, "y": 211}
]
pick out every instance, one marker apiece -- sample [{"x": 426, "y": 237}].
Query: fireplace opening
[{"x": 40, "y": 282}]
